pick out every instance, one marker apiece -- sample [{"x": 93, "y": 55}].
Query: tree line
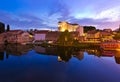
[{"x": 2, "y": 27}]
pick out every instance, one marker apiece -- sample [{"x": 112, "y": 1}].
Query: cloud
[
  {"x": 113, "y": 14},
  {"x": 24, "y": 21},
  {"x": 46, "y": 13},
  {"x": 99, "y": 23}
]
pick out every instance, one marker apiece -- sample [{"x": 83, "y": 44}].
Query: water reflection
[
  {"x": 66, "y": 53},
  {"x": 63, "y": 53},
  {"x": 117, "y": 57},
  {"x": 16, "y": 50}
]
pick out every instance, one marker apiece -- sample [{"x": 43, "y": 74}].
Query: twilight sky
[{"x": 45, "y": 14}]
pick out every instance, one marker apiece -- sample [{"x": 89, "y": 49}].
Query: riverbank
[{"x": 78, "y": 45}]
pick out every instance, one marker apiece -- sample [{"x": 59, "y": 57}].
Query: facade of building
[
  {"x": 52, "y": 37},
  {"x": 80, "y": 30},
  {"x": 2, "y": 38},
  {"x": 40, "y": 35},
  {"x": 74, "y": 35},
  {"x": 93, "y": 36},
  {"x": 106, "y": 36},
  {"x": 62, "y": 26},
  {"x": 15, "y": 36}
]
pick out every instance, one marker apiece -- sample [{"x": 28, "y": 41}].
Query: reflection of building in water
[
  {"x": 59, "y": 59},
  {"x": 40, "y": 49},
  {"x": 108, "y": 53},
  {"x": 2, "y": 47},
  {"x": 79, "y": 55},
  {"x": 18, "y": 49},
  {"x": 64, "y": 54},
  {"x": 1, "y": 55},
  {"x": 100, "y": 53},
  {"x": 1, "y": 52},
  {"x": 117, "y": 57},
  {"x": 47, "y": 50},
  {"x": 64, "y": 57},
  {"x": 95, "y": 52}
]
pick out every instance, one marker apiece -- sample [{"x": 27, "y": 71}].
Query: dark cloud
[
  {"x": 24, "y": 21},
  {"x": 58, "y": 6}
]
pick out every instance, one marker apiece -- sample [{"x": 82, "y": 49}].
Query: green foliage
[
  {"x": 117, "y": 36},
  {"x": 8, "y": 28},
  {"x": 65, "y": 39},
  {"x": 2, "y": 27},
  {"x": 89, "y": 28}
]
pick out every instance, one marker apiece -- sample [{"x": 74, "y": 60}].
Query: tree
[
  {"x": 8, "y": 28},
  {"x": 117, "y": 36},
  {"x": 65, "y": 38},
  {"x": 2, "y": 27},
  {"x": 89, "y": 28}
]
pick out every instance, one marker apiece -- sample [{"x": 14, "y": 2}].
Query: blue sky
[{"x": 45, "y": 14}]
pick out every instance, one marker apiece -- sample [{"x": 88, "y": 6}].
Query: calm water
[{"x": 20, "y": 63}]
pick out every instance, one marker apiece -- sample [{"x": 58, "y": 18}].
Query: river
[{"x": 25, "y": 63}]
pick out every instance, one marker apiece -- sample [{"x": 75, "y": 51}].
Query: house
[
  {"x": 93, "y": 36},
  {"x": 40, "y": 35},
  {"x": 17, "y": 50},
  {"x": 2, "y": 38},
  {"x": 16, "y": 36},
  {"x": 24, "y": 37},
  {"x": 52, "y": 36},
  {"x": 82, "y": 38},
  {"x": 74, "y": 35},
  {"x": 80, "y": 29},
  {"x": 106, "y": 36}
]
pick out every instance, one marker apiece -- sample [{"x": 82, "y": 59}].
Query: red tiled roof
[{"x": 14, "y": 32}]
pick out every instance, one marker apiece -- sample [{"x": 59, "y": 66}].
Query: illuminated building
[{"x": 62, "y": 26}]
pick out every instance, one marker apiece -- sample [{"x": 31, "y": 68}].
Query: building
[
  {"x": 40, "y": 35},
  {"x": 2, "y": 27},
  {"x": 74, "y": 35},
  {"x": 15, "y": 36},
  {"x": 62, "y": 26},
  {"x": 80, "y": 30},
  {"x": 52, "y": 36},
  {"x": 2, "y": 38},
  {"x": 93, "y": 36},
  {"x": 107, "y": 30},
  {"x": 106, "y": 36}
]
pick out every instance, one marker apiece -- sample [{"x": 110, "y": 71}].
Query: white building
[
  {"x": 40, "y": 35},
  {"x": 80, "y": 29}
]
